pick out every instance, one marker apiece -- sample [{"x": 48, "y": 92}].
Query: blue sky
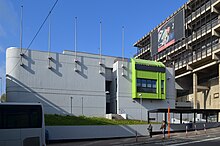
[{"x": 137, "y": 16}]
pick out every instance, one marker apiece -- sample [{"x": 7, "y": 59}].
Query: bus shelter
[{"x": 205, "y": 115}]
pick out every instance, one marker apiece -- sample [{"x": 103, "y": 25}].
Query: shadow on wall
[
  {"x": 127, "y": 70},
  {"x": 83, "y": 68},
  {"x": 31, "y": 95},
  {"x": 57, "y": 65},
  {"x": 30, "y": 62}
]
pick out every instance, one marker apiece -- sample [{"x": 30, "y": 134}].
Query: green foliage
[{"x": 53, "y": 120}]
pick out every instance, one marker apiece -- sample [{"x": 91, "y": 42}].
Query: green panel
[
  {"x": 134, "y": 88},
  {"x": 146, "y": 74},
  {"x": 149, "y": 62},
  {"x": 158, "y": 76}
]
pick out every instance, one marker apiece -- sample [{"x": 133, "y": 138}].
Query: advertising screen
[{"x": 166, "y": 35}]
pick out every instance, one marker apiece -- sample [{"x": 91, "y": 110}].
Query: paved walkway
[{"x": 156, "y": 139}]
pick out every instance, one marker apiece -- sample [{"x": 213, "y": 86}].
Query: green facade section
[{"x": 159, "y": 77}]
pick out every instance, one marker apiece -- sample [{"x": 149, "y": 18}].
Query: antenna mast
[
  {"x": 100, "y": 48},
  {"x": 123, "y": 43},
  {"x": 123, "y": 51},
  {"x": 49, "y": 42},
  {"x": 49, "y": 37},
  {"x": 21, "y": 35},
  {"x": 100, "y": 45},
  {"x": 75, "y": 40},
  {"x": 75, "y": 46}
]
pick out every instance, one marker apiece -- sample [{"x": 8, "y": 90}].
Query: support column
[
  {"x": 194, "y": 115},
  {"x": 181, "y": 118},
  {"x": 218, "y": 89},
  {"x": 148, "y": 117},
  {"x": 206, "y": 117},
  {"x": 165, "y": 117},
  {"x": 218, "y": 84},
  {"x": 195, "y": 90}
]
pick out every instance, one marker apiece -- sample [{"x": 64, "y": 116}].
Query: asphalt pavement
[{"x": 195, "y": 138}]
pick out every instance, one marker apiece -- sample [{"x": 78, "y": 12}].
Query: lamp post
[{"x": 140, "y": 95}]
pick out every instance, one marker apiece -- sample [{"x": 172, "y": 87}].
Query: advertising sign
[{"x": 166, "y": 35}]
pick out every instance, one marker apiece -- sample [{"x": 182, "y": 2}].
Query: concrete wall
[
  {"x": 111, "y": 131},
  {"x": 89, "y": 132},
  {"x": 54, "y": 87},
  {"x": 133, "y": 107},
  {"x": 34, "y": 82},
  {"x": 207, "y": 99}
]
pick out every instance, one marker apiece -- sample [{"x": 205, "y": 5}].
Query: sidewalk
[{"x": 140, "y": 140}]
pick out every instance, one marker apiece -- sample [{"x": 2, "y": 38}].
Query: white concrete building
[{"x": 86, "y": 85}]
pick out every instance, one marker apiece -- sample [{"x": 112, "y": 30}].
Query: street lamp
[{"x": 140, "y": 95}]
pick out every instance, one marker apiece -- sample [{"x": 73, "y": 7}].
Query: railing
[
  {"x": 142, "y": 50},
  {"x": 196, "y": 34},
  {"x": 190, "y": 38},
  {"x": 202, "y": 8},
  {"x": 184, "y": 104},
  {"x": 204, "y": 52}
]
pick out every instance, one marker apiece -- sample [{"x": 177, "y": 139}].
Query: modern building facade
[
  {"x": 88, "y": 84},
  {"x": 188, "y": 40}
]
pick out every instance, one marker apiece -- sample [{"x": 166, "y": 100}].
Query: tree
[{"x": 3, "y": 98}]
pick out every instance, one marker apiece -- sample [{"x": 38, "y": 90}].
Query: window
[
  {"x": 146, "y": 85},
  {"x": 138, "y": 82},
  {"x": 162, "y": 86},
  {"x": 215, "y": 95},
  {"x": 26, "y": 116}
]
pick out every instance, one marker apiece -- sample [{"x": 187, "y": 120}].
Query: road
[{"x": 200, "y": 138}]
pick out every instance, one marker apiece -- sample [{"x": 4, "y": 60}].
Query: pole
[
  {"x": 71, "y": 105},
  {"x": 195, "y": 130},
  {"x": 140, "y": 96},
  {"x": 168, "y": 121},
  {"x": 21, "y": 28},
  {"x": 1, "y": 87},
  {"x": 49, "y": 36},
  {"x": 75, "y": 40},
  {"x": 100, "y": 43},
  {"x": 136, "y": 135},
  {"x": 123, "y": 31},
  {"x": 204, "y": 129},
  {"x": 21, "y": 34},
  {"x": 82, "y": 105}
]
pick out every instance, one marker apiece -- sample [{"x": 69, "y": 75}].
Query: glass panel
[
  {"x": 149, "y": 83},
  {"x": 154, "y": 84},
  {"x": 17, "y": 116},
  {"x": 144, "y": 83},
  {"x": 138, "y": 82},
  {"x": 162, "y": 86},
  {"x": 162, "y": 83}
]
